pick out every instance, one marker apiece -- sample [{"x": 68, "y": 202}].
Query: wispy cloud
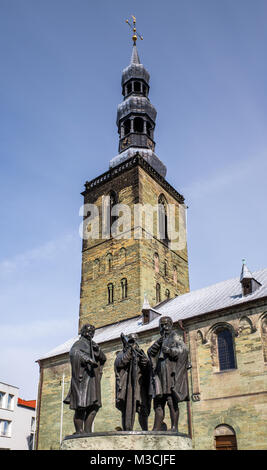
[
  {"x": 43, "y": 252},
  {"x": 230, "y": 176},
  {"x": 35, "y": 330},
  {"x": 23, "y": 344}
]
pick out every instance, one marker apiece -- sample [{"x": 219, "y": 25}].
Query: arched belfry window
[
  {"x": 138, "y": 124},
  {"x": 127, "y": 126},
  {"x": 124, "y": 289},
  {"x": 225, "y": 344},
  {"x": 167, "y": 294},
  {"x": 163, "y": 219},
  {"x": 110, "y": 293},
  {"x": 137, "y": 87}
]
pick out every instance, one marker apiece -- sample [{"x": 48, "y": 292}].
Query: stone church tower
[{"x": 118, "y": 270}]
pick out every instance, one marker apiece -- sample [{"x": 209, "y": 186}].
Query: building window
[
  {"x": 225, "y": 349},
  {"x": 247, "y": 286},
  {"x": 158, "y": 296},
  {"x": 165, "y": 269},
  {"x": 2, "y": 399},
  {"x": 109, "y": 262},
  {"x": 167, "y": 294},
  {"x": 110, "y": 293},
  {"x": 10, "y": 402},
  {"x": 124, "y": 288},
  {"x": 5, "y": 428},
  {"x": 33, "y": 424}
]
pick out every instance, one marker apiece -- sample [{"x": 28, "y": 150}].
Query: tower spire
[
  {"x": 136, "y": 116},
  {"x": 135, "y": 57}
]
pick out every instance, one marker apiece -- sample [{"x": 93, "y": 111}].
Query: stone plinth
[{"x": 128, "y": 440}]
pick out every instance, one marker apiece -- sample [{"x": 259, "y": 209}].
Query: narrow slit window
[
  {"x": 167, "y": 294},
  {"x": 158, "y": 296},
  {"x": 124, "y": 289},
  {"x": 110, "y": 293}
]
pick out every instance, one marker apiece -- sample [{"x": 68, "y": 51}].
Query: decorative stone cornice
[{"x": 126, "y": 166}]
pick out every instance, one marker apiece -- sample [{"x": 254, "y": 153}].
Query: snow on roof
[{"x": 199, "y": 302}]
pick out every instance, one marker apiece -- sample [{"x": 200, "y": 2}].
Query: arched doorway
[{"x": 225, "y": 438}]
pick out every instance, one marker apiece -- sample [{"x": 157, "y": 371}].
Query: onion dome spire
[{"x": 136, "y": 116}]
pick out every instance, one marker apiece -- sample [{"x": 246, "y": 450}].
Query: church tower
[{"x": 118, "y": 270}]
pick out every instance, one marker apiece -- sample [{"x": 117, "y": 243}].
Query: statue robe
[
  {"x": 85, "y": 390},
  {"x": 132, "y": 383},
  {"x": 169, "y": 371}
]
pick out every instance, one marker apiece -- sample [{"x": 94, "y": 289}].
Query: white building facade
[{"x": 17, "y": 420}]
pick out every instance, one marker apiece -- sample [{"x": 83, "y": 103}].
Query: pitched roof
[
  {"x": 27, "y": 403},
  {"x": 199, "y": 302}
]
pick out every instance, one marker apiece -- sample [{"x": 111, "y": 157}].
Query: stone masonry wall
[
  {"x": 236, "y": 397},
  {"x": 111, "y": 260}
]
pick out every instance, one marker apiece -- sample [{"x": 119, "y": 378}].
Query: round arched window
[{"x": 226, "y": 353}]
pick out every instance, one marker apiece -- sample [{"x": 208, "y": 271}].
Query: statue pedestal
[{"x": 128, "y": 440}]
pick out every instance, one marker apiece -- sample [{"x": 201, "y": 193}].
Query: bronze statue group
[{"x": 160, "y": 375}]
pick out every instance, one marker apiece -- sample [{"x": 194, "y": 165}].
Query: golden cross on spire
[{"x": 133, "y": 28}]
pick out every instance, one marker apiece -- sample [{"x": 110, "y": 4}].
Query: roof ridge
[{"x": 237, "y": 278}]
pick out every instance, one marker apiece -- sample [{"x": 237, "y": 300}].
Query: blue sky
[{"x": 61, "y": 63}]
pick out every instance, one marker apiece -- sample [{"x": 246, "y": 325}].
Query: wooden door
[{"x": 225, "y": 443}]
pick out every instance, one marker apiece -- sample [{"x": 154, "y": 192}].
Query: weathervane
[{"x": 133, "y": 28}]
